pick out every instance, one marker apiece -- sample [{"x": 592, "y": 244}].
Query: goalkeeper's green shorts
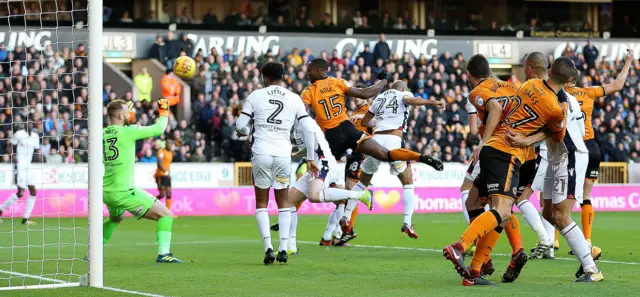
[{"x": 136, "y": 201}]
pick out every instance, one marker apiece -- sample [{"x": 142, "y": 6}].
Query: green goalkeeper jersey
[{"x": 120, "y": 153}]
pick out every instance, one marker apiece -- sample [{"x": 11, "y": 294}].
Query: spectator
[
  {"x": 159, "y": 51},
  {"x": 144, "y": 84},
  {"x": 210, "y": 18},
  {"x": 198, "y": 156},
  {"x": 367, "y": 55},
  {"x": 126, "y": 18},
  {"x": 186, "y": 44},
  {"x": 53, "y": 158},
  {"x": 153, "y": 17},
  {"x": 3, "y": 52},
  {"x": 229, "y": 57},
  {"x": 326, "y": 21},
  {"x": 148, "y": 157},
  {"x": 357, "y": 19},
  {"x": 171, "y": 88},
  {"x": 172, "y": 49},
  {"x": 382, "y": 50},
  {"x": 106, "y": 13},
  {"x": 295, "y": 57},
  {"x": 400, "y": 25},
  {"x": 590, "y": 53},
  {"x": 164, "y": 16},
  {"x": 184, "y": 16}
]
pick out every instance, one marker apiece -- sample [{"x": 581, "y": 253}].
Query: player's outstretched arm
[
  {"x": 418, "y": 101},
  {"x": 156, "y": 129},
  {"x": 617, "y": 84},
  {"x": 243, "y": 124},
  {"x": 366, "y": 93}
]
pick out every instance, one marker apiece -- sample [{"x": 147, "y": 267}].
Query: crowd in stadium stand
[
  {"x": 49, "y": 90},
  {"x": 225, "y": 79}
]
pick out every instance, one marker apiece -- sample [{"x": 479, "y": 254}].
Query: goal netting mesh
[{"x": 43, "y": 107}]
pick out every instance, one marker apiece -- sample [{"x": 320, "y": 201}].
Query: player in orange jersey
[
  {"x": 326, "y": 96},
  {"x": 586, "y": 97},
  {"x": 163, "y": 175}
]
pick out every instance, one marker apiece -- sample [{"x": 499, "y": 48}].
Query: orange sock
[
  {"x": 483, "y": 250},
  {"x": 555, "y": 238},
  {"x": 299, "y": 204},
  {"x": 404, "y": 155},
  {"x": 168, "y": 202},
  {"x": 512, "y": 228},
  {"x": 479, "y": 228},
  {"x": 354, "y": 215},
  {"x": 587, "y": 219}
]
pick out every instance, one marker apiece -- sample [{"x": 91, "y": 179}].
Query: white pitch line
[
  {"x": 33, "y": 276},
  {"x": 132, "y": 292}
]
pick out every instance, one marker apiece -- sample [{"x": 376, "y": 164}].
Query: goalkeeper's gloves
[
  {"x": 132, "y": 112},
  {"x": 163, "y": 107},
  {"x": 382, "y": 75}
]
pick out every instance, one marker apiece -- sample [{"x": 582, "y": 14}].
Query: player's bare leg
[
  {"x": 295, "y": 198},
  {"x": 160, "y": 213},
  {"x": 575, "y": 238},
  {"x": 31, "y": 202},
  {"x": 408, "y": 202},
  {"x": 14, "y": 197},
  {"x": 167, "y": 193},
  {"x": 465, "y": 188},
  {"x": 284, "y": 220},
  {"x": 262, "y": 218},
  {"x": 374, "y": 149}
]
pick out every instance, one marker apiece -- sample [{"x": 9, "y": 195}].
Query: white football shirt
[
  {"x": 573, "y": 137},
  {"x": 26, "y": 143},
  {"x": 273, "y": 110},
  {"x": 390, "y": 111},
  {"x": 322, "y": 146}
]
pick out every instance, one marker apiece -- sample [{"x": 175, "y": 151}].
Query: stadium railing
[
  {"x": 243, "y": 175},
  {"x": 614, "y": 173}
]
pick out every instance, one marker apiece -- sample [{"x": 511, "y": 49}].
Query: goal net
[{"x": 44, "y": 143}]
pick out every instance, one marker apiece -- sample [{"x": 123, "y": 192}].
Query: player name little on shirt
[{"x": 272, "y": 128}]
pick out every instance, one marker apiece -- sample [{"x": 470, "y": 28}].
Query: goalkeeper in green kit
[{"x": 120, "y": 192}]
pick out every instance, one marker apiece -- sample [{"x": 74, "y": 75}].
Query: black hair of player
[
  {"x": 562, "y": 70},
  {"x": 478, "y": 67},
  {"x": 273, "y": 71},
  {"x": 319, "y": 63}
]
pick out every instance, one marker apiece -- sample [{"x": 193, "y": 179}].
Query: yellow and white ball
[{"x": 184, "y": 67}]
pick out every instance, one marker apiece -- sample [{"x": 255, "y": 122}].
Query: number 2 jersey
[
  {"x": 390, "y": 111},
  {"x": 120, "y": 153},
  {"x": 327, "y": 99},
  {"x": 273, "y": 110}
]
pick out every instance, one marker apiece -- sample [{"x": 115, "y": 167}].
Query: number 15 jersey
[
  {"x": 326, "y": 98},
  {"x": 273, "y": 110}
]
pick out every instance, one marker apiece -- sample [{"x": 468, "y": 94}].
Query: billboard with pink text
[{"x": 241, "y": 201}]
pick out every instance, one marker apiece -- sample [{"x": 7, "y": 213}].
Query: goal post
[
  {"x": 51, "y": 81},
  {"x": 96, "y": 167}
]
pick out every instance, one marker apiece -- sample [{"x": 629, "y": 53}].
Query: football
[{"x": 184, "y": 67}]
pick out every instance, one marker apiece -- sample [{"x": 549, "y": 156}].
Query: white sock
[
  {"x": 487, "y": 207},
  {"x": 579, "y": 246},
  {"x": 334, "y": 195},
  {"x": 31, "y": 202},
  {"x": 341, "y": 212},
  {"x": 408, "y": 201},
  {"x": 464, "y": 195},
  {"x": 262, "y": 217},
  {"x": 13, "y": 198},
  {"x": 532, "y": 217},
  {"x": 351, "y": 204},
  {"x": 284, "y": 222},
  {"x": 550, "y": 230},
  {"x": 293, "y": 229},
  {"x": 331, "y": 225}
]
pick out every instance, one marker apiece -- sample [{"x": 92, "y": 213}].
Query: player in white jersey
[
  {"x": 269, "y": 114},
  {"x": 319, "y": 187},
  {"x": 26, "y": 143},
  {"x": 567, "y": 159},
  {"x": 388, "y": 115},
  {"x": 474, "y": 167}
]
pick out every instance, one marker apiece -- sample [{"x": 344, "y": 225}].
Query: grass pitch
[{"x": 223, "y": 257}]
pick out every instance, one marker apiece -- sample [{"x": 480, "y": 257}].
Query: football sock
[
  {"x": 512, "y": 228},
  {"x": 480, "y": 227},
  {"x": 483, "y": 249},
  {"x": 354, "y": 215},
  {"x": 403, "y": 155},
  {"x": 331, "y": 225},
  {"x": 352, "y": 203},
  {"x": 13, "y": 198},
  {"x": 168, "y": 202},
  {"x": 108, "y": 226},
  {"x": 284, "y": 220},
  {"x": 532, "y": 217},
  {"x": 408, "y": 201},
  {"x": 550, "y": 230},
  {"x": 579, "y": 246},
  {"x": 163, "y": 235},
  {"x": 334, "y": 194},
  {"x": 555, "y": 238},
  {"x": 293, "y": 229},
  {"x": 587, "y": 219},
  {"x": 262, "y": 217},
  {"x": 465, "y": 195},
  {"x": 31, "y": 202}
]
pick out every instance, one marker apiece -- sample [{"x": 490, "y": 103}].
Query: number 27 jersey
[{"x": 273, "y": 110}]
